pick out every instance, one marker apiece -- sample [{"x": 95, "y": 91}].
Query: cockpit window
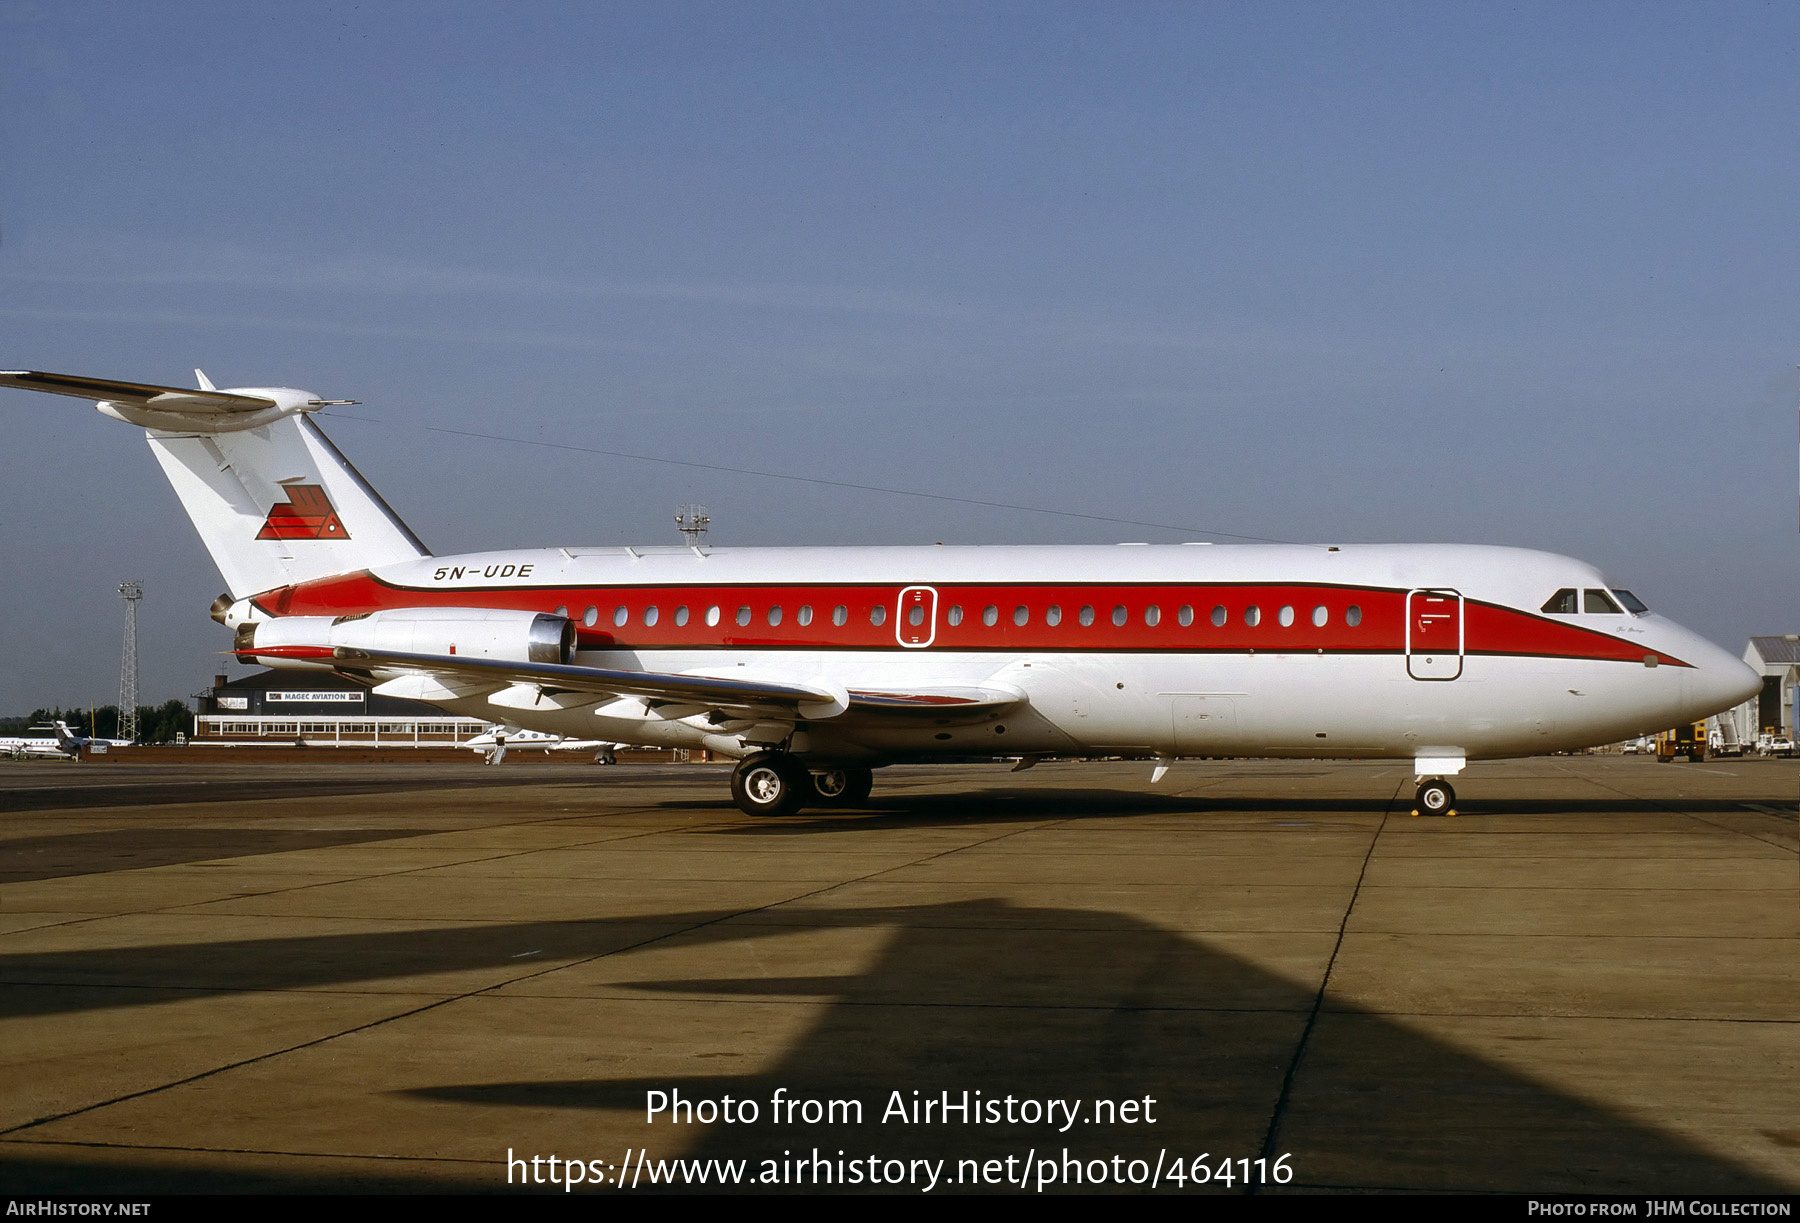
[
  {"x": 1632, "y": 603},
  {"x": 1599, "y": 603},
  {"x": 1562, "y": 603}
]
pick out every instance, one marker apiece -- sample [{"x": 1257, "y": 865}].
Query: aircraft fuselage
[{"x": 1187, "y": 650}]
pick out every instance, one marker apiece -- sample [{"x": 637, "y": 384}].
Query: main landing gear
[
  {"x": 1435, "y": 798},
  {"x": 775, "y": 783}
]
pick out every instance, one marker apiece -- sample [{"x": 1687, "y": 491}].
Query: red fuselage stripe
[{"x": 802, "y": 617}]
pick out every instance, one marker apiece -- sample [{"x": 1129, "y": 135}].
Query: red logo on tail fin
[{"x": 306, "y": 514}]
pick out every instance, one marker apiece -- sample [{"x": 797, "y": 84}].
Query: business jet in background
[
  {"x": 54, "y": 741},
  {"x": 812, "y": 667},
  {"x": 497, "y": 740}
]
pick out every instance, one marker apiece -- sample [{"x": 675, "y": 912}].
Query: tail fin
[{"x": 274, "y": 500}]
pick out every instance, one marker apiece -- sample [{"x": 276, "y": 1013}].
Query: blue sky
[{"x": 1515, "y": 274}]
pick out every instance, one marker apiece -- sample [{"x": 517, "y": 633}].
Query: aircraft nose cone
[{"x": 1720, "y": 682}]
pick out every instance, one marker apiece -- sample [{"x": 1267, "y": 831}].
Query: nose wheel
[{"x": 1435, "y": 797}]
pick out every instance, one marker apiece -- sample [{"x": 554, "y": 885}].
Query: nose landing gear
[{"x": 1435, "y": 797}]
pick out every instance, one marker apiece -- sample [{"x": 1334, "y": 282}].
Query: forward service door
[{"x": 1434, "y": 634}]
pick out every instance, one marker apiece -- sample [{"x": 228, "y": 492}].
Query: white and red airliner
[{"x": 814, "y": 666}]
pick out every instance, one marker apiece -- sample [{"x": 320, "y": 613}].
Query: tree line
[{"x": 156, "y": 723}]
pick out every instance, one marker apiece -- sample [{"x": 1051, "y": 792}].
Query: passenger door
[{"x": 1434, "y": 634}]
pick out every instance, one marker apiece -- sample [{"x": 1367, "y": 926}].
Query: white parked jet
[
  {"x": 497, "y": 740},
  {"x": 814, "y": 666},
  {"x": 55, "y": 741}
]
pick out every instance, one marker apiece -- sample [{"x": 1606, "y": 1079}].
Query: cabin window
[
  {"x": 1086, "y": 617},
  {"x": 804, "y": 615},
  {"x": 591, "y": 617},
  {"x": 620, "y": 616},
  {"x": 743, "y": 616},
  {"x": 1632, "y": 603},
  {"x": 650, "y": 615},
  {"x": 774, "y": 616},
  {"x": 1253, "y": 615},
  {"x": 1286, "y": 616},
  {"x": 1120, "y": 615},
  {"x": 712, "y": 616},
  {"x": 1053, "y": 615},
  {"x": 681, "y": 617},
  {"x": 1153, "y": 615},
  {"x": 915, "y": 615},
  {"x": 1185, "y": 616},
  {"x": 563, "y": 612},
  {"x": 1321, "y": 616},
  {"x": 878, "y": 615},
  {"x": 1218, "y": 617},
  {"x": 954, "y": 617},
  {"x": 1021, "y": 615},
  {"x": 990, "y": 615},
  {"x": 1599, "y": 603},
  {"x": 1353, "y": 615},
  {"x": 840, "y": 615},
  {"x": 1562, "y": 603}
]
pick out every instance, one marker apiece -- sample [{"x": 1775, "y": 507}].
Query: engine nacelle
[{"x": 467, "y": 632}]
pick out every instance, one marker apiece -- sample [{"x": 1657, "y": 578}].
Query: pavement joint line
[
  {"x": 216, "y": 1070},
  {"x": 1673, "y": 810},
  {"x": 1285, "y": 1095},
  {"x": 199, "y": 907},
  {"x": 445, "y": 1001},
  {"x": 362, "y": 1027}
]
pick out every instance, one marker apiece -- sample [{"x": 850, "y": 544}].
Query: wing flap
[
  {"x": 602, "y": 681},
  {"x": 939, "y": 702},
  {"x": 459, "y": 673}
]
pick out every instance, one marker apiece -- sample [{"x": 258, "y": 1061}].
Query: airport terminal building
[{"x": 280, "y": 708}]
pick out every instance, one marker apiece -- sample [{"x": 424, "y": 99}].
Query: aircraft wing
[
  {"x": 803, "y": 700},
  {"x": 135, "y": 394}
]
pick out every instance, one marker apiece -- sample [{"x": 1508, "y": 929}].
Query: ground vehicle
[{"x": 1687, "y": 740}]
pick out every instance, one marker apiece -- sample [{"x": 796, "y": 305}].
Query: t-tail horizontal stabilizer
[{"x": 273, "y": 499}]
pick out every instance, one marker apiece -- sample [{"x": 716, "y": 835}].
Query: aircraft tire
[
  {"x": 1437, "y": 798},
  {"x": 770, "y": 784},
  {"x": 843, "y": 787}
]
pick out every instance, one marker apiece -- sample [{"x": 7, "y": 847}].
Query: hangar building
[
  {"x": 321, "y": 710},
  {"x": 1771, "y": 711}
]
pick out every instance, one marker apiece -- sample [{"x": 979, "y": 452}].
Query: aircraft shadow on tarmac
[
  {"x": 984, "y": 995},
  {"x": 1036, "y": 1003}
]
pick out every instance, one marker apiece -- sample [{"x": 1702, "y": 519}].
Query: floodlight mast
[
  {"x": 692, "y": 521},
  {"x": 132, "y": 593}
]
